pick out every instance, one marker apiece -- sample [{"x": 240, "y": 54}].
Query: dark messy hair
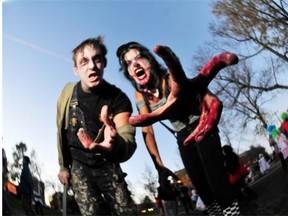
[
  {"x": 93, "y": 42},
  {"x": 157, "y": 71}
]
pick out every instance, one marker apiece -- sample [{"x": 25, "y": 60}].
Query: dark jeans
[
  {"x": 38, "y": 208},
  {"x": 284, "y": 162},
  {"x": 101, "y": 190},
  {"x": 204, "y": 165},
  {"x": 6, "y": 209}
]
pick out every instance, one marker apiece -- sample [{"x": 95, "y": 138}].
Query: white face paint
[
  {"x": 89, "y": 67},
  {"x": 137, "y": 66}
]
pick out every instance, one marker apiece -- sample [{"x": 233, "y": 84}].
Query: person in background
[
  {"x": 194, "y": 196},
  {"x": 26, "y": 187},
  {"x": 173, "y": 96},
  {"x": 280, "y": 139},
  {"x": 278, "y": 153},
  {"x": 94, "y": 135},
  {"x": 168, "y": 193},
  {"x": 237, "y": 174},
  {"x": 263, "y": 164},
  {"x": 159, "y": 205},
  {"x": 185, "y": 199},
  {"x": 6, "y": 209},
  {"x": 284, "y": 125}
]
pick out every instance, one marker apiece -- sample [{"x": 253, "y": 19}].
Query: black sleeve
[{"x": 121, "y": 103}]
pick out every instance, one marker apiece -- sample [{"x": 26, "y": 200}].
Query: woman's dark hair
[{"x": 157, "y": 71}]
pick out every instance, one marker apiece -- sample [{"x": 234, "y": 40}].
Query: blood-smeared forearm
[
  {"x": 209, "y": 119},
  {"x": 161, "y": 113}
]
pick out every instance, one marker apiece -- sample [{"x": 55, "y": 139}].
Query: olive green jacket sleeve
[
  {"x": 125, "y": 146},
  {"x": 62, "y": 120}
]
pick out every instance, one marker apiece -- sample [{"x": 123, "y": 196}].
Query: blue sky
[{"x": 38, "y": 37}]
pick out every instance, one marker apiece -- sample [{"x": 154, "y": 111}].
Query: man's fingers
[
  {"x": 84, "y": 137},
  {"x": 93, "y": 145},
  {"x": 107, "y": 121},
  {"x": 104, "y": 115}
]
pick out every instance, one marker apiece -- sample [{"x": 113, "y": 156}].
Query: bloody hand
[
  {"x": 108, "y": 131},
  {"x": 189, "y": 96}
]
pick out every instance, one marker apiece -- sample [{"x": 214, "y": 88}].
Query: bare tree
[
  {"x": 150, "y": 182},
  {"x": 262, "y": 24},
  {"x": 35, "y": 168},
  {"x": 245, "y": 95},
  {"x": 16, "y": 165}
]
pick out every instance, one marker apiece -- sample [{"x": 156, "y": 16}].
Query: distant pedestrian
[
  {"x": 184, "y": 197},
  {"x": 26, "y": 187},
  {"x": 167, "y": 192},
  {"x": 6, "y": 209},
  {"x": 159, "y": 204},
  {"x": 170, "y": 207},
  {"x": 263, "y": 164},
  {"x": 277, "y": 151},
  {"x": 194, "y": 196},
  {"x": 237, "y": 174},
  {"x": 284, "y": 124},
  {"x": 282, "y": 143}
]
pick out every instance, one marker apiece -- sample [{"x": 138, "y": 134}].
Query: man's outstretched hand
[
  {"x": 108, "y": 130},
  {"x": 185, "y": 93}
]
